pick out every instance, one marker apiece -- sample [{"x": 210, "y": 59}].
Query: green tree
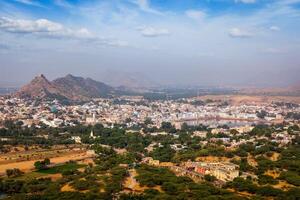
[
  {"x": 14, "y": 172},
  {"x": 209, "y": 178},
  {"x": 39, "y": 165}
]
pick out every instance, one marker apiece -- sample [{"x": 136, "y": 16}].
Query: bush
[
  {"x": 42, "y": 164},
  {"x": 84, "y": 185},
  {"x": 14, "y": 172},
  {"x": 265, "y": 179},
  {"x": 269, "y": 191},
  {"x": 290, "y": 177},
  {"x": 210, "y": 178}
]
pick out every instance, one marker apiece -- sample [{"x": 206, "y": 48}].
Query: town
[
  {"x": 135, "y": 110},
  {"x": 206, "y": 140}
]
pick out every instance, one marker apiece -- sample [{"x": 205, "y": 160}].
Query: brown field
[
  {"x": 249, "y": 99},
  {"x": 18, "y": 153},
  {"x": 28, "y": 166}
]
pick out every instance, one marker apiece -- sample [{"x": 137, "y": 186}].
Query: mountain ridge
[{"x": 69, "y": 87}]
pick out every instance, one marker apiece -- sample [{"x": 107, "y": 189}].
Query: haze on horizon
[{"x": 173, "y": 42}]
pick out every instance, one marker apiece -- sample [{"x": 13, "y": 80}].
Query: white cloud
[
  {"x": 153, "y": 32},
  {"x": 245, "y": 1},
  {"x": 49, "y": 29},
  {"x": 117, "y": 43},
  {"x": 195, "y": 14},
  {"x": 144, "y": 5},
  {"x": 274, "y": 28},
  {"x": 42, "y": 27},
  {"x": 238, "y": 33}
]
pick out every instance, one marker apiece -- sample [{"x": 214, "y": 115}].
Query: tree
[
  {"x": 261, "y": 114},
  {"x": 209, "y": 178},
  {"x": 39, "y": 165},
  {"x": 47, "y": 161},
  {"x": 14, "y": 172},
  {"x": 148, "y": 121},
  {"x": 168, "y": 127},
  {"x": 163, "y": 154},
  {"x": 170, "y": 188}
]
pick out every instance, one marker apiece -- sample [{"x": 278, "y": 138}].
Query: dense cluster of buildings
[
  {"x": 222, "y": 171},
  {"x": 238, "y": 120},
  {"x": 133, "y": 111}
]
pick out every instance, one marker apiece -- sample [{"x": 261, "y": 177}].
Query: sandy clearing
[
  {"x": 27, "y": 166},
  {"x": 54, "y": 177},
  {"x": 67, "y": 188},
  {"x": 275, "y": 156},
  {"x": 283, "y": 185},
  {"x": 272, "y": 173},
  {"x": 212, "y": 159},
  {"x": 132, "y": 185},
  {"x": 251, "y": 161}
]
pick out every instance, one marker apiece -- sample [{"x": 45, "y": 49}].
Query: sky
[{"x": 168, "y": 42}]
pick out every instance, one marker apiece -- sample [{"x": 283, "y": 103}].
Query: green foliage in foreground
[
  {"x": 175, "y": 187},
  {"x": 242, "y": 185}
]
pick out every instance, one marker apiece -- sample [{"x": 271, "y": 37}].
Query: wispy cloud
[
  {"x": 30, "y": 3},
  {"x": 245, "y": 1},
  {"x": 149, "y": 31},
  {"x": 238, "y": 33},
  {"x": 63, "y": 3},
  {"x": 196, "y": 14},
  {"x": 274, "y": 28},
  {"x": 144, "y": 5}
]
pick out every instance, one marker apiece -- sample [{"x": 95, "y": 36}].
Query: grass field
[
  {"x": 29, "y": 176},
  {"x": 61, "y": 168},
  {"x": 53, "y": 173}
]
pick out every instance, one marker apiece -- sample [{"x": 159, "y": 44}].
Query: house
[
  {"x": 77, "y": 139},
  {"x": 201, "y": 134}
]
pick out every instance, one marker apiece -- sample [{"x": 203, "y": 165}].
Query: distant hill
[
  {"x": 39, "y": 87},
  {"x": 68, "y": 87},
  {"x": 80, "y": 89},
  {"x": 77, "y": 88},
  {"x": 133, "y": 81},
  {"x": 293, "y": 90}
]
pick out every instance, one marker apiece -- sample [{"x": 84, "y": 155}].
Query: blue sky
[{"x": 177, "y": 42}]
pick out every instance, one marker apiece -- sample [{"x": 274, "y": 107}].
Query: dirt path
[{"x": 132, "y": 185}]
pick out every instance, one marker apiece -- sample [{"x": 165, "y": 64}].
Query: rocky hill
[
  {"x": 68, "y": 87},
  {"x": 81, "y": 88}
]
